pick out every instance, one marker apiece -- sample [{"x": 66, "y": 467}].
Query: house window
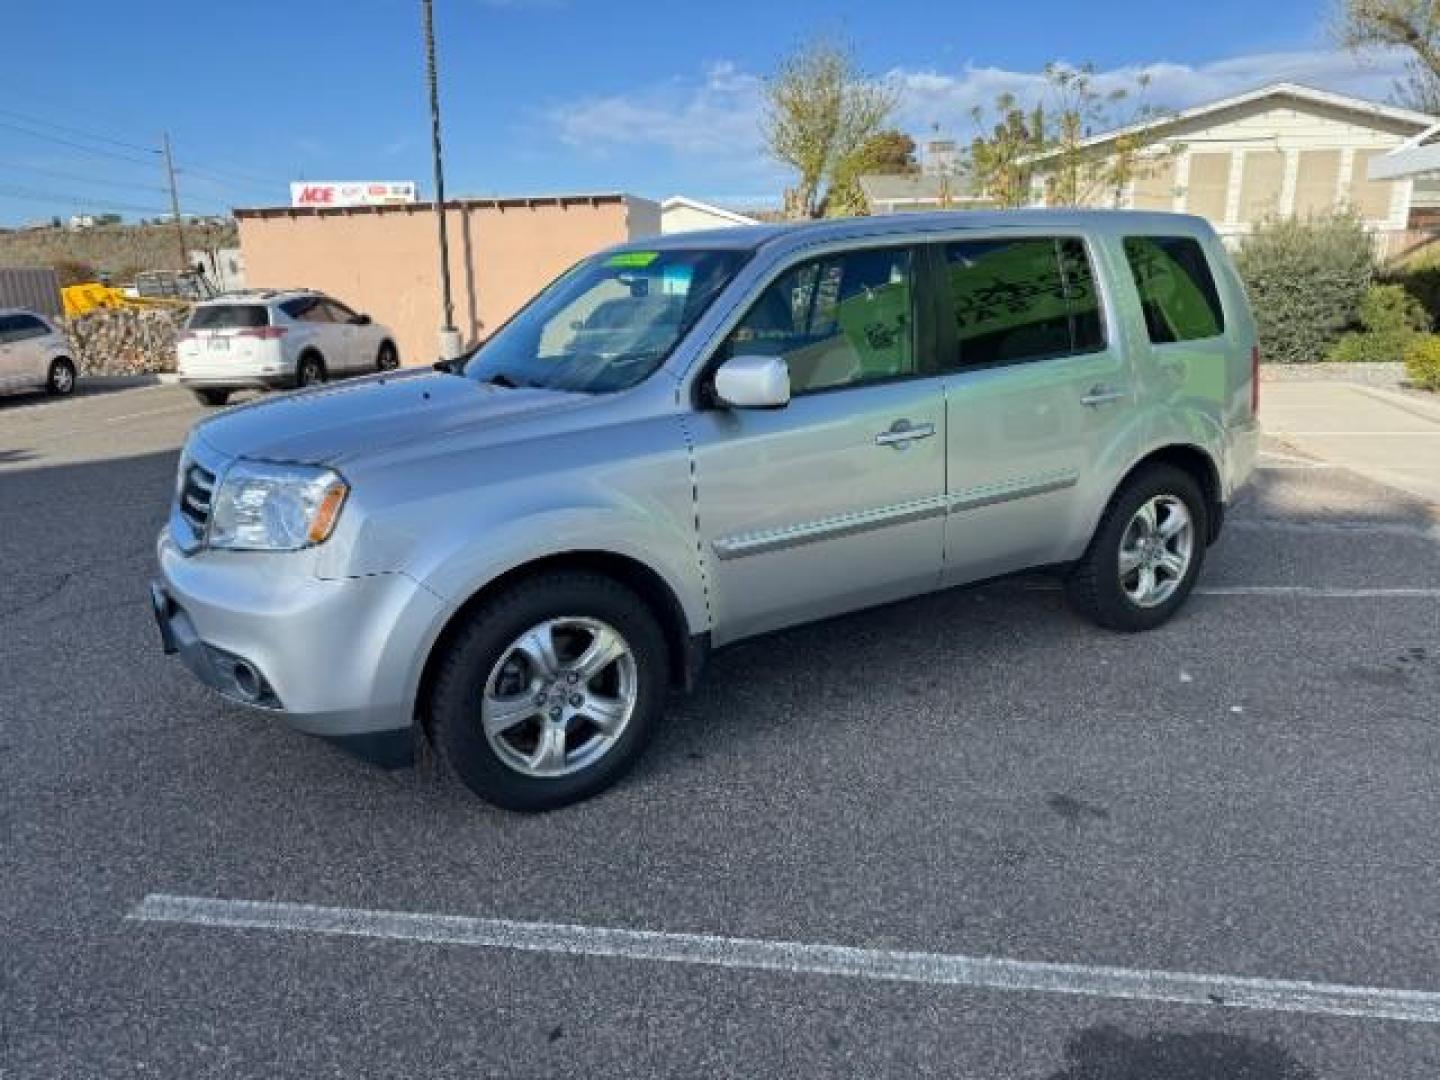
[
  {"x": 1154, "y": 184},
  {"x": 1317, "y": 173},
  {"x": 1208, "y": 189},
  {"x": 1261, "y": 180},
  {"x": 1370, "y": 198}
]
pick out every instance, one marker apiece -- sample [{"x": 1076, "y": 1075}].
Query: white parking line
[
  {"x": 1316, "y": 592},
  {"x": 150, "y": 412},
  {"x": 799, "y": 958},
  {"x": 1309, "y": 592}
]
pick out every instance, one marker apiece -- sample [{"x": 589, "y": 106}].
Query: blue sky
[{"x": 546, "y": 96}]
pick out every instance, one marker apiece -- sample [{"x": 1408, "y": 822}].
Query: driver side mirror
[
  {"x": 361, "y": 320},
  {"x": 753, "y": 382}
]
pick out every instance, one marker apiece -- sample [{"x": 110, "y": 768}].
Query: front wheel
[
  {"x": 550, "y": 691},
  {"x": 388, "y": 358},
  {"x": 60, "y": 379},
  {"x": 1146, "y": 552}
]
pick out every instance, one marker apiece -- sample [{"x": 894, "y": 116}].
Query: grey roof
[{"x": 879, "y": 187}]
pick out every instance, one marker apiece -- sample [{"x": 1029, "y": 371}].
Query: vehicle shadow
[{"x": 1106, "y": 1052}]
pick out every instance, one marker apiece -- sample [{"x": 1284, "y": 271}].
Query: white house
[
  {"x": 681, "y": 214},
  {"x": 1281, "y": 150}
]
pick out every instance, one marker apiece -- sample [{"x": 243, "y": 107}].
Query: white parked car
[
  {"x": 277, "y": 339},
  {"x": 34, "y": 352}
]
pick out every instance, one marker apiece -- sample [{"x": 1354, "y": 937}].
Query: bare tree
[
  {"x": 821, "y": 112},
  {"x": 1410, "y": 25}
]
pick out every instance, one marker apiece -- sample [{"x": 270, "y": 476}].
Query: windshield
[{"x": 608, "y": 323}]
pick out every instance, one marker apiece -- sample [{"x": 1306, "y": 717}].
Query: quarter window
[
  {"x": 1177, "y": 290},
  {"x": 1023, "y": 299},
  {"x": 838, "y": 321}
]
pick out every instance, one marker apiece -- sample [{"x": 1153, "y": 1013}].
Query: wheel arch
[
  {"x": 686, "y": 650},
  {"x": 1198, "y": 463}
]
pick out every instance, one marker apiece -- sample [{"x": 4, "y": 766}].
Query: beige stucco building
[
  {"x": 1281, "y": 150},
  {"x": 384, "y": 260}
]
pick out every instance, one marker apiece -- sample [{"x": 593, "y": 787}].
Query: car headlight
[{"x": 262, "y": 506}]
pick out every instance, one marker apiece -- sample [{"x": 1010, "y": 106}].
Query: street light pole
[{"x": 449, "y": 336}]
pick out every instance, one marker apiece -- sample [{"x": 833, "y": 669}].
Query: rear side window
[
  {"x": 1177, "y": 289},
  {"x": 228, "y": 317},
  {"x": 19, "y": 327},
  {"x": 1023, "y": 299}
]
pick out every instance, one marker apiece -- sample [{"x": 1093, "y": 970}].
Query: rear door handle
[
  {"x": 1100, "y": 395},
  {"x": 902, "y": 432}
]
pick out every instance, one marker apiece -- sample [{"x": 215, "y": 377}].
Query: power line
[
  {"x": 60, "y": 198},
  {"x": 63, "y": 175},
  {"x": 77, "y": 131},
  {"x": 77, "y": 146}
]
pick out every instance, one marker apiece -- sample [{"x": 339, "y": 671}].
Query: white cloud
[
  {"x": 714, "y": 116},
  {"x": 935, "y": 97},
  {"x": 709, "y": 126}
]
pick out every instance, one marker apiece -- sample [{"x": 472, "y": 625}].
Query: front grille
[{"x": 196, "y": 491}]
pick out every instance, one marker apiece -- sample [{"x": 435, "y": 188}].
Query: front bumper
[{"x": 334, "y": 658}]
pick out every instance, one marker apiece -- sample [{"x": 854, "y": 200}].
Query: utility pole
[
  {"x": 175, "y": 205},
  {"x": 449, "y": 336}
]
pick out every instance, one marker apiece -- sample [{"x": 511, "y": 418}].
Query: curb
[{"x": 119, "y": 382}]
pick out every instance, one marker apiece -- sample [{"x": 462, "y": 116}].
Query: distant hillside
[{"x": 120, "y": 251}]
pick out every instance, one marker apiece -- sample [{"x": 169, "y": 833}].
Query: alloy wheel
[
  {"x": 560, "y": 696},
  {"x": 1156, "y": 550}
]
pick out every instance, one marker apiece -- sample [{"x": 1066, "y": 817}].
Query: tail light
[
  {"x": 264, "y": 333},
  {"x": 1255, "y": 380}
]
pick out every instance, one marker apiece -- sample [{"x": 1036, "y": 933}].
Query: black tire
[
  {"x": 310, "y": 371},
  {"x": 212, "y": 399},
  {"x": 388, "y": 358},
  {"x": 1094, "y": 587},
  {"x": 484, "y": 640},
  {"x": 60, "y": 379}
]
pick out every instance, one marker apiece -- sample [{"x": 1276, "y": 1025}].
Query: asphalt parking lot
[{"x": 1247, "y": 793}]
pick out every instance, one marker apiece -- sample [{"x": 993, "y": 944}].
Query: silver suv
[{"x": 710, "y": 436}]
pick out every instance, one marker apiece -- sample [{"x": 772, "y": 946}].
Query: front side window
[
  {"x": 22, "y": 327},
  {"x": 608, "y": 323},
  {"x": 1022, "y": 299},
  {"x": 338, "y": 312},
  {"x": 838, "y": 320},
  {"x": 1177, "y": 290}
]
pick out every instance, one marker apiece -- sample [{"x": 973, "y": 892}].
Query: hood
[{"x": 332, "y": 424}]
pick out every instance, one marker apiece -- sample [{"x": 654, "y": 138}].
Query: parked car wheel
[
  {"x": 310, "y": 371},
  {"x": 388, "y": 358},
  {"x": 60, "y": 380},
  {"x": 1146, "y": 552},
  {"x": 212, "y": 399},
  {"x": 550, "y": 691}
]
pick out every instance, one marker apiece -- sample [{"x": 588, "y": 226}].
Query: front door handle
[
  {"x": 902, "y": 432},
  {"x": 1100, "y": 395}
]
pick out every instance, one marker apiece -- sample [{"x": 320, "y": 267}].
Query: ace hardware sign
[{"x": 369, "y": 193}]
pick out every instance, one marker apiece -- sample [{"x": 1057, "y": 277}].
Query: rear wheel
[
  {"x": 388, "y": 358},
  {"x": 1146, "y": 552},
  {"x": 212, "y": 399},
  {"x": 310, "y": 371},
  {"x": 60, "y": 379},
  {"x": 550, "y": 691}
]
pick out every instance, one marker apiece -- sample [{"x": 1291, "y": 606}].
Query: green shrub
[
  {"x": 1423, "y": 283},
  {"x": 1305, "y": 279},
  {"x": 1422, "y": 361},
  {"x": 1391, "y": 318}
]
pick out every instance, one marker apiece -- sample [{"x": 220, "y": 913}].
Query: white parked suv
[
  {"x": 34, "y": 352},
  {"x": 277, "y": 339}
]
